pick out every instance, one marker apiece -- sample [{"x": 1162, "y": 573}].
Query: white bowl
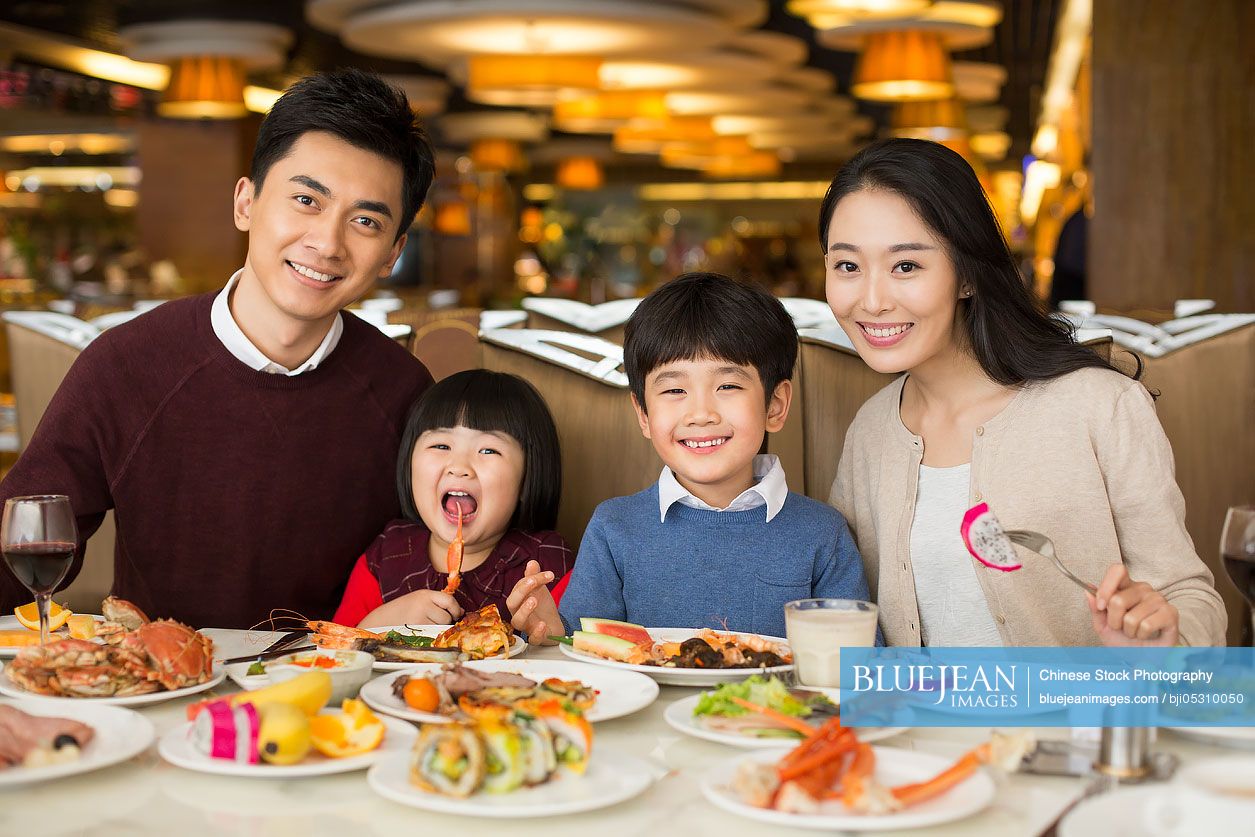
[{"x": 346, "y": 679}]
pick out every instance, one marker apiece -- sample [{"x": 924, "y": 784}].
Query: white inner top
[{"x": 952, "y": 605}]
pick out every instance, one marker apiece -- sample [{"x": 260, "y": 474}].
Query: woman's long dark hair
[{"x": 1010, "y": 333}]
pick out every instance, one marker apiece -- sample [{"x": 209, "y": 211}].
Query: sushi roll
[
  {"x": 449, "y": 759},
  {"x": 572, "y": 734},
  {"x": 573, "y": 691},
  {"x": 503, "y": 746},
  {"x": 539, "y": 759}
]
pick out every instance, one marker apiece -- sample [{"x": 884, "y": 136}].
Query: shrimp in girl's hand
[{"x": 453, "y": 560}]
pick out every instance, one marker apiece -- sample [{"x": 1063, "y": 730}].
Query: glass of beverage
[
  {"x": 38, "y": 537},
  {"x": 819, "y": 628},
  {"x": 1237, "y": 552}
]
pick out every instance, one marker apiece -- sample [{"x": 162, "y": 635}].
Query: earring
[{"x": 967, "y": 292}]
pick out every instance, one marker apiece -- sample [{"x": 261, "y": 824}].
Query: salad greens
[
  {"x": 412, "y": 640},
  {"x": 764, "y": 691}
]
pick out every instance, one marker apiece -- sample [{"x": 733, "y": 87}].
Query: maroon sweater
[{"x": 235, "y": 491}]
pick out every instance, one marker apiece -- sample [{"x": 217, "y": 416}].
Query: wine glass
[
  {"x": 38, "y": 537},
  {"x": 1237, "y": 551}
]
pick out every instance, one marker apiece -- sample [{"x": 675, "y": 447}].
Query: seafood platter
[
  {"x": 479, "y": 635},
  {"x": 40, "y": 740}
]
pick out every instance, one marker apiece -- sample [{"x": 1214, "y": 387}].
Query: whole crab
[{"x": 138, "y": 656}]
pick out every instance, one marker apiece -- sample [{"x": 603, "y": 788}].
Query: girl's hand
[
  {"x": 1128, "y": 612},
  {"x": 422, "y": 607},
  {"x": 532, "y": 609}
]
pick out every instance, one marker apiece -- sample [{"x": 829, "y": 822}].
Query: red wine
[
  {"x": 1242, "y": 570},
  {"x": 41, "y": 565}
]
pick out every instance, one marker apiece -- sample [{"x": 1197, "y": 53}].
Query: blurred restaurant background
[{"x": 589, "y": 151}]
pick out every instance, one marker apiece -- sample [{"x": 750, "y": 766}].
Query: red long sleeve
[{"x": 361, "y": 595}]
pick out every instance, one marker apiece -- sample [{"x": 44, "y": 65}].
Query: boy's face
[
  {"x": 323, "y": 228},
  {"x": 706, "y": 419}
]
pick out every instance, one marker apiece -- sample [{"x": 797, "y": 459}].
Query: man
[{"x": 247, "y": 439}]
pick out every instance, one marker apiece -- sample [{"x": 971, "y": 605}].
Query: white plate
[
  {"x": 1117, "y": 813},
  {"x": 610, "y": 779},
  {"x": 893, "y": 767},
  {"x": 8, "y": 687},
  {"x": 619, "y": 693},
  {"x": 1242, "y": 738},
  {"x": 238, "y": 672},
  {"x": 176, "y": 747},
  {"x": 10, "y": 623},
  {"x": 681, "y": 676},
  {"x": 680, "y": 716},
  {"x": 433, "y": 631},
  {"x": 121, "y": 734}
]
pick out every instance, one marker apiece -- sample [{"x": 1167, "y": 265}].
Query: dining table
[{"x": 146, "y": 795}]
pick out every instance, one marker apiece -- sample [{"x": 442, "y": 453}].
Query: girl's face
[
  {"x": 890, "y": 282},
  {"x": 475, "y": 470}
]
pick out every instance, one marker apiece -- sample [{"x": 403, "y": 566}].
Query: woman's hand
[
  {"x": 532, "y": 608},
  {"x": 1128, "y": 612},
  {"x": 421, "y": 607}
]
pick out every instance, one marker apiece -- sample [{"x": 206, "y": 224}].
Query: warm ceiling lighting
[
  {"x": 903, "y": 66},
  {"x": 453, "y": 218},
  {"x": 693, "y": 153},
  {"x": 757, "y": 164},
  {"x": 96, "y": 177},
  {"x": 648, "y": 138},
  {"x": 602, "y": 112},
  {"x": 59, "y": 144},
  {"x": 205, "y": 87},
  {"x": 791, "y": 190},
  {"x": 991, "y": 145},
  {"x": 528, "y": 80},
  {"x": 260, "y": 99},
  {"x": 819, "y": 12},
  {"x": 496, "y": 155},
  {"x": 580, "y": 173},
  {"x": 937, "y": 120}
]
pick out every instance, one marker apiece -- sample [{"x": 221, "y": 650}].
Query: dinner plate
[
  {"x": 893, "y": 767},
  {"x": 1242, "y": 738},
  {"x": 1117, "y": 813},
  {"x": 121, "y": 734},
  {"x": 680, "y": 716},
  {"x": 669, "y": 676},
  {"x": 10, "y": 623},
  {"x": 8, "y": 687},
  {"x": 611, "y": 778},
  {"x": 433, "y": 631},
  {"x": 176, "y": 747},
  {"x": 619, "y": 693}
]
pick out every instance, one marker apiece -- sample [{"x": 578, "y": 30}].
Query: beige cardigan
[{"x": 1081, "y": 459}]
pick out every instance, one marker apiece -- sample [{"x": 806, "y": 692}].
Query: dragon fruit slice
[{"x": 987, "y": 541}]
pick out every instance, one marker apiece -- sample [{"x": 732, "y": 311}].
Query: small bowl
[{"x": 353, "y": 669}]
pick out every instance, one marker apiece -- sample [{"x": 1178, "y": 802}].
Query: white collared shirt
[
  {"x": 228, "y": 331},
  {"x": 771, "y": 488}
]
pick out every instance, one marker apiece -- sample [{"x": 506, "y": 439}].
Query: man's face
[
  {"x": 706, "y": 419},
  {"x": 323, "y": 228}
]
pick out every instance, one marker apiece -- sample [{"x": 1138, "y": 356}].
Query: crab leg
[
  {"x": 453, "y": 560},
  {"x": 1002, "y": 750}
]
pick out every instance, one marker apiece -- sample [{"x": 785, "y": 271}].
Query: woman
[{"x": 998, "y": 405}]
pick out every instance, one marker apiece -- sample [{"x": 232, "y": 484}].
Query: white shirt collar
[
  {"x": 237, "y": 343},
  {"x": 771, "y": 489}
]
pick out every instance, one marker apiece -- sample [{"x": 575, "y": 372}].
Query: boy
[
  {"x": 719, "y": 541},
  {"x": 247, "y": 438}
]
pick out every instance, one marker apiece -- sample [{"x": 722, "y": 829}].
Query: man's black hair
[
  {"x": 364, "y": 111},
  {"x": 492, "y": 402},
  {"x": 709, "y": 315}
]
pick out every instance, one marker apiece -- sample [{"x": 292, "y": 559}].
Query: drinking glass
[
  {"x": 819, "y": 628},
  {"x": 38, "y": 537},
  {"x": 1237, "y": 552}
]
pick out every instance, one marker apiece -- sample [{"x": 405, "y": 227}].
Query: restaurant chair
[
  {"x": 447, "y": 346},
  {"x": 808, "y": 313},
  {"x": 580, "y": 377},
  {"x": 605, "y": 320},
  {"x": 489, "y": 320},
  {"x": 107, "y": 321},
  {"x": 43, "y": 346}
]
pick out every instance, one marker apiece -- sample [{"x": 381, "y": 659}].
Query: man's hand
[
  {"x": 532, "y": 608},
  {"x": 1128, "y": 612}
]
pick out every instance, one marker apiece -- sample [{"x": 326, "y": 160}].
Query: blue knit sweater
[{"x": 710, "y": 569}]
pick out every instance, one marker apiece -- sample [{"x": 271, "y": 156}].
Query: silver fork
[{"x": 1042, "y": 545}]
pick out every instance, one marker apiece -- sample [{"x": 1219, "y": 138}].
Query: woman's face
[
  {"x": 890, "y": 282},
  {"x": 476, "y": 471}
]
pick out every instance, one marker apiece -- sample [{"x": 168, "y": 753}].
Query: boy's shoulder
[
  {"x": 628, "y": 508},
  {"x": 811, "y": 517}
]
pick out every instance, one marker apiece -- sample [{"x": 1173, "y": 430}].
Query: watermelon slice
[
  {"x": 634, "y": 634},
  {"x": 601, "y": 645}
]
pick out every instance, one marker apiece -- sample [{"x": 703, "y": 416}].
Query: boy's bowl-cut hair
[
  {"x": 364, "y": 111},
  {"x": 492, "y": 401},
  {"x": 710, "y": 315}
]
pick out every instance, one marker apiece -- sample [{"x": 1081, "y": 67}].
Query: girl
[
  {"x": 998, "y": 404},
  {"x": 480, "y": 445}
]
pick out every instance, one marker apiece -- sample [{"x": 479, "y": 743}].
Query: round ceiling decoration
[
  {"x": 978, "y": 81},
  {"x": 519, "y": 126},
  {"x": 256, "y": 46},
  {"x": 748, "y": 100},
  {"x": 427, "y": 94},
  {"x": 961, "y": 24},
  {"x": 822, "y": 13}
]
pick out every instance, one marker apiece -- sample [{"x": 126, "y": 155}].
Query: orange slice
[
  {"x": 82, "y": 626},
  {"x": 28, "y": 615},
  {"x": 352, "y": 732},
  {"x": 18, "y": 639}
]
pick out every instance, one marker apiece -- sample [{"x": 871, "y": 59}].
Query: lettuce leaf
[{"x": 764, "y": 691}]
